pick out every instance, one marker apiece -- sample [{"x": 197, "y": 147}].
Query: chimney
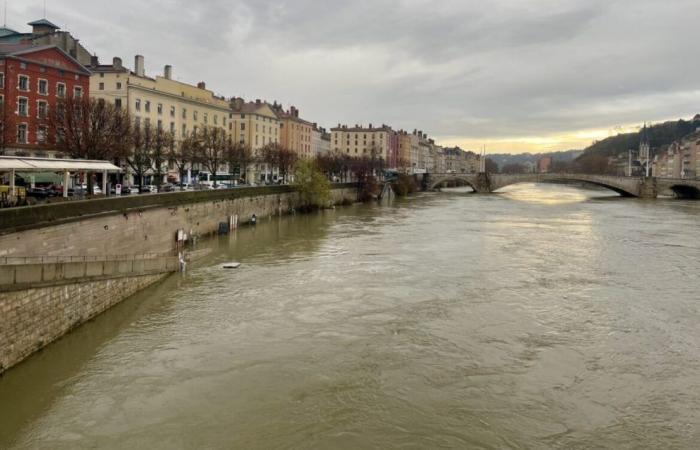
[
  {"x": 168, "y": 72},
  {"x": 94, "y": 61},
  {"x": 202, "y": 85},
  {"x": 370, "y": 126},
  {"x": 257, "y": 101},
  {"x": 117, "y": 62},
  {"x": 139, "y": 66}
]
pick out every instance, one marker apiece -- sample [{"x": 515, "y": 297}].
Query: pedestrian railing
[{"x": 18, "y": 260}]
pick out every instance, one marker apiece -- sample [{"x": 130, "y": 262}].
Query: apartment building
[
  {"x": 32, "y": 80},
  {"x": 320, "y": 141},
  {"x": 295, "y": 132},
  {"x": 160, "y": 102},
  {"x": 359, "y": 141}
]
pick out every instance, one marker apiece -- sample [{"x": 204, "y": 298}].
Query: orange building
[{"x": 295, "y": 133}]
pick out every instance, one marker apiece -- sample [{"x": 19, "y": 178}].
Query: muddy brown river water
[{"x": 545, "y": 317}]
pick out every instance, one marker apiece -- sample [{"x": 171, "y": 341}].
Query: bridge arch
[
  {"x": 466, "y": 179},
  {"x": 625, "y": 187},
  {"x": 685, "y": 191}
]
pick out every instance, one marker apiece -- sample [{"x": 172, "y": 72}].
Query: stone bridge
[{"x": 644, "y": 187}]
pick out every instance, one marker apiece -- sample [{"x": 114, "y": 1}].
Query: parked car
[
  {"x": 167, "y": 188},
  {"x": 126, "y": 190},
  {"x": 148, "y": 189},
  {"x": 40, "y": 192}
]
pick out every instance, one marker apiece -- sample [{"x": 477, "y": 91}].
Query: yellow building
[
  {"x": 161, "y": 102},
  {"x": 254, "y": 124},
  {"x": 177, "y": 107},
  {"x": 295, "y": 133}
]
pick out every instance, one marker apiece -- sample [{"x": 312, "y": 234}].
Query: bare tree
[
  {"x": 89, "y": 129},
  {"x": 238, "y": 156},
  {"x": 277, "y": 156},
  {"x": 213, "y": 150},
  {"x": 139, "y": 157},
  {"x": 182, "y": 154},
  {"x": 159, "y": 153}
]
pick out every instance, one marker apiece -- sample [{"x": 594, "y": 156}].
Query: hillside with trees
[{"x": 660, "y": 135}]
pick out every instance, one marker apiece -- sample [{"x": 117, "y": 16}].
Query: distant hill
[
  {"x": 660, "y": 135},
  {"x": 504, "y": 159}
]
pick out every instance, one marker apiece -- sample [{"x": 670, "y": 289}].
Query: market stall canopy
[{"x": 19, "y": 164}]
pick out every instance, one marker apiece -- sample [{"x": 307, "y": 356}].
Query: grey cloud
[{"x": 496, "y": 69}]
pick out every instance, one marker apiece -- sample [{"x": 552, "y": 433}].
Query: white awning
[{"x": 19, "y": 164}]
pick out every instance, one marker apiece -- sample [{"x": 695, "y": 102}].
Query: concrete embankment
[{"x": 54, "y": 270}]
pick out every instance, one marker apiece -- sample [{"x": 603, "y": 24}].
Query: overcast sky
[{"x": 513, "y": 74}]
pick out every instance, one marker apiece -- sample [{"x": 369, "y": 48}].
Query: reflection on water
[
  {"x": 532, "y": 194},
  {"x": 541, "y": 317}
]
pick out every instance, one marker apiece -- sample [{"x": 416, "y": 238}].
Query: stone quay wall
[
  {"x": 32, "y": 318},
  {"x": 139, "y": 224}
]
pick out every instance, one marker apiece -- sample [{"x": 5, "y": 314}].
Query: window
[
  {"x": 22, "y": 133},
  {"x": 242, "y": 126},
  {"x": 147, "y": 122},
  {"x": 102, "y": 75},
  {"x": 77, "y": 92},
  {"x": 2, "y": 80},
  {"x": 147, "y": 106},
  {"x": 22, "y": 107},
  {"x": 118, "y": 103},
  {"x": 224, "y": 120},
  {"x": 216, "y": 120},
  {"x": 41, "y": 133},
  {"x": 195, "y": 115},
  {"x": 160, "y": 124},
  {"x": 172, "y": 127},
  {"x": 42, "y": 108},
  {"x": 43, "y": 87},
  {"x": 138, "y": 104},
  {"x": 184, "y": 130},
  {"x": 22, "y": 65},
  {"x": 172, "y": 111},
  {"x": 119, "y": 85},
  {"x": 160, "y": 109},
  {"x": 137, "y": 122},
  {"x": 206, "y": 118},
  {"x": 184, "y": 113},
  {"x": 60, "y": 90},
  {"x": 102, "y": 86},
  {"x": 23, "y": 83}
]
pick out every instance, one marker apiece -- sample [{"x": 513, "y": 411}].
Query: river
[{"x": 545, "y": 317}]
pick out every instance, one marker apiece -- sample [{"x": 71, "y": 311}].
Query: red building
[{"x": 32, "y": 79}]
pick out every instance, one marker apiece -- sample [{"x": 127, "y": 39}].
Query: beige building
[
  {"x": 359, "y": 141},
  {"x": 254, "y": 123},
  {"x": 161, "y": 102}
]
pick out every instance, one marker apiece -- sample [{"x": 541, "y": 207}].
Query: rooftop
[{"x": 43, "y": 23}]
